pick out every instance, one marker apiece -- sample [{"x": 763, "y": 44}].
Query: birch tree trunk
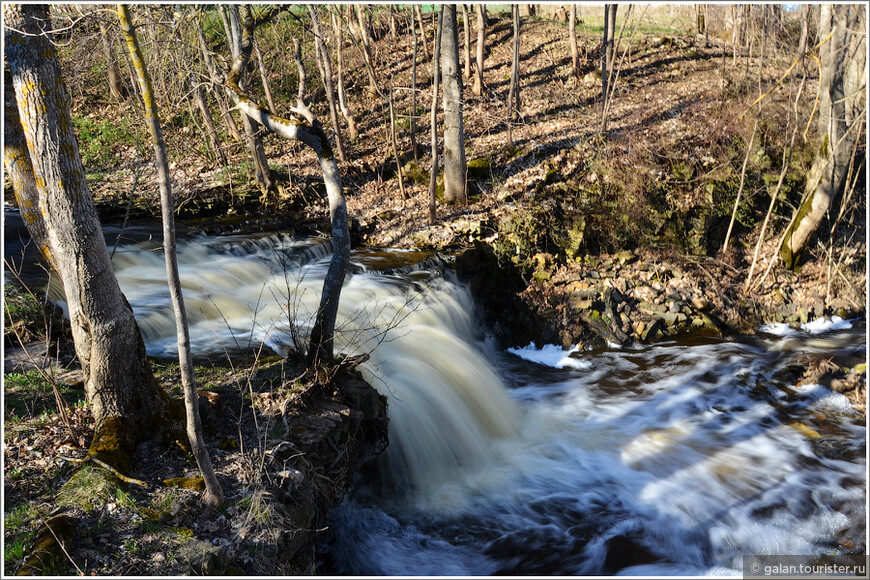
[
  {"x": 127, "y": 404},
  {"x": 230, "y": 123},
  {"x": 213, "y": 493},
  {"x": 607, "y": 49},
  {"x": 455, "y": 166}
]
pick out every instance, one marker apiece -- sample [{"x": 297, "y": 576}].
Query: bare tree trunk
[
  {"x": 366, "y": 42},
  {"x": 805, "y": 33},
  {"x": 436, "y": 73},
  {"x": 127, "y": 404},
  {"x": 413, "y": 116},
  {"x": 842, "y": 87},
  {"x": 325, "y": 69},
  {"x": 572, "y": 38},
  {"x": 477, "y": 88},
  {"x": 396, "y": 149},
  {"x": 466, "y": 49},
  {"x": 607, "y": 48},
  {"x": 514, "y": 91},
  {"x": 214, "y": 495},
  {"x": 455, "y": 166},
  {"x": 262, "y": 172},
  {"x": 19, "y": 172},
  {"x": 215, "y": 78},
  {"x": 264, "y": 78},
  {"x": 419, "y": 14},
  {"x": 116, "y": 87},
  {"x": 308, "y": 130},
  {"x": 300, "y": 69},
  {"x": 339, "y": 63}
]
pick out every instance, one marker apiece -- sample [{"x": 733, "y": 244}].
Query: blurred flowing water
[{"x": 670, "y": 459}]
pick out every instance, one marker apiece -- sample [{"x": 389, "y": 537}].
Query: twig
[{"x": 742, "y": 181}]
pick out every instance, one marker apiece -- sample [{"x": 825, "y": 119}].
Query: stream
[{"x": 676, "y": 458}]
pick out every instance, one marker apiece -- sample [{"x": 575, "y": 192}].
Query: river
[{"x": 676, "y": 458}]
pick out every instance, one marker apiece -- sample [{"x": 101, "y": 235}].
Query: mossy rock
[
  {"x": 192, "y": 483},
  {"x": 415, "y": 174},
  {"x": 479, "y": 168},
  {"x": 89, "y": 489}
]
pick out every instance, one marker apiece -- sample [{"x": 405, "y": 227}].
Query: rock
[
  {"x": 624, "y": 551},
  {"x": 652, "y": 330},
  {"x": 203, "y": 558},
  {"x": 700, "y": 303},
  {"x": 625, "y": 257}
]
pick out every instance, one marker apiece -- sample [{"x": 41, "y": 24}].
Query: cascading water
[{"x": 671, "y": 459}]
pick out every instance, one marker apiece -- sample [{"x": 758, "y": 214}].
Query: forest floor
[{"x": 673, "y": 123}]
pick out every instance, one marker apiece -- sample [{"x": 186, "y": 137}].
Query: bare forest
[{"x": 598, "y": 175}]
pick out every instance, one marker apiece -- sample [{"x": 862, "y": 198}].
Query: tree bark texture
[
  {"x": 213, "y": 493},
  {"x": 307, "y": 129},
  {"x": 19, "y": 172},
  {"x": 127, "y": 404},
  {"x": 455, "y": 165},
  {"x": 841, "y": 108}
]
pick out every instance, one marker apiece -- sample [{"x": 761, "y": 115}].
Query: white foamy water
[
  {"x": 550, "y": 355},
  {"x": 674, "y": 459}
]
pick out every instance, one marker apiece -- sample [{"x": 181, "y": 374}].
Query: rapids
[{"x": 670, "y": 459}]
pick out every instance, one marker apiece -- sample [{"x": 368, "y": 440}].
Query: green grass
[
  {"x": 101, "y": 139},
  {"x": 29, "y": 394}
]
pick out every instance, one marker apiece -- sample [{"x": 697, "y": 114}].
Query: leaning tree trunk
[
  {"x": 842, "y": 85},
  {"x": 455, "y": 166},
  {"x": 127, "y": 404},
  {"x": 309, "y": 131},
  {"x": 214, "y": 495},
  {"x": 477, "y": 88}
]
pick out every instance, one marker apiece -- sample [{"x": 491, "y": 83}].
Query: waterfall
[{"x": 446, "y": 404}]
